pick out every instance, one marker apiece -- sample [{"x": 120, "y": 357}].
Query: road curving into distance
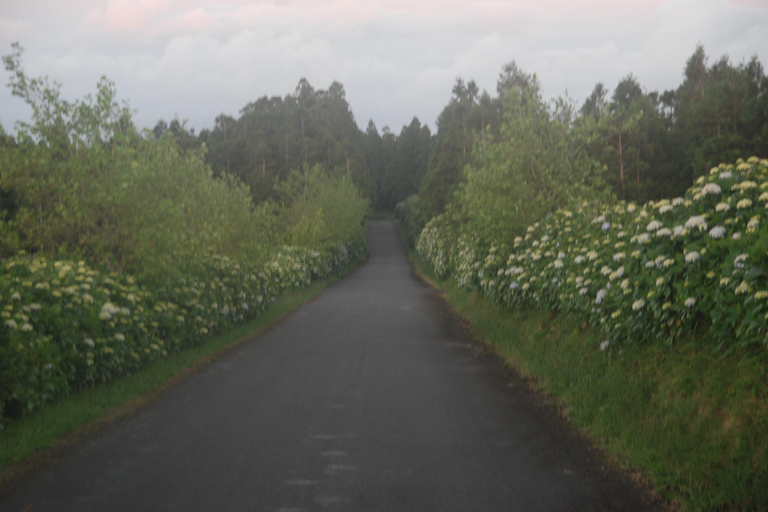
[{"x": 369, "y": 398}]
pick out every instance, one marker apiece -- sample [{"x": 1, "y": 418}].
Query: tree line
[
  {"x": 629, "y": 143},
  {"x": 274, "y": 136},
  {"x": 636, "y": 144}
]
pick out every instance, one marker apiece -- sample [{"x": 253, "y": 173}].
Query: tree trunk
[
  {"x": 226, "y": 148},
  {"x": 464, "y": 139},
  {"x": 621, "y": 165},
  {"x": 346, "y": 154},
  {"x": 304, "y": 138}
]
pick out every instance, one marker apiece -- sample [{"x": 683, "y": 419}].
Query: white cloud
[{"x": 396, "y": 59}]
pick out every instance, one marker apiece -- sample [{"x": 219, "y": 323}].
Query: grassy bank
[
  {"x": 29, "y": 442},
  {"x": 691, "y": 423}
]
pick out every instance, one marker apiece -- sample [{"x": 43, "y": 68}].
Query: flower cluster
[
  {"x": 66, "y": 325},
  {"x": 641, "y": 272}
]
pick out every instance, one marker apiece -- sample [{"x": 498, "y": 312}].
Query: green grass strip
[
  {"x": 33, "y": 440},
  {"x": 687, "y": 422}
]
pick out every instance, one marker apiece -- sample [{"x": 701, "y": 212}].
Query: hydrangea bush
[
  {"x": 642, "y": 273},
  {"x": 66, "y": 325}
]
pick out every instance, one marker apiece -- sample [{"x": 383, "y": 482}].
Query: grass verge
[
  {"x": 33, "y": 440},
  {"x": 690, "y": 423}
]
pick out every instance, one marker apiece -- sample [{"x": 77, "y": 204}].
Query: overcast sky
[{"x": 397, "y": 59}]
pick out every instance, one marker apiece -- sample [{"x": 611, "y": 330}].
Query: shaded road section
[{"x": 367, "y": 399}]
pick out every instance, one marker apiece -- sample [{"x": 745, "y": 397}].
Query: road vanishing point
[{"x": 370, "y": 398}]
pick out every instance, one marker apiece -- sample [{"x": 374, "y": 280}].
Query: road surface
[{"x": 369, "y": 398}]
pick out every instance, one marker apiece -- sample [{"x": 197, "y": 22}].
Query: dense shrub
[
  {"x": 120, "y": 249},
  {"x": 66, "y": 325},
  {"x": 641, "y": 272},
  {"x": 409, "y": 213},
  {"x": 86, "y": 184},
  {"x": 319, "y": 207},
  {"x": 536, "y": 163}
]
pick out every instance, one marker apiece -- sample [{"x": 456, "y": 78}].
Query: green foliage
[
  {"x": 437, "y": 244},
  {"x": 693, "y": 423},
  {"x": 642, "y": 274},
  {"x": 406, "y": 164},
  {"x": 458, "y": 125},
  {"x": 654, "y": 144},
  {"x": 320, "y": 208},
  {"x": 536, "y": 165},
  {"x": 274, "y": 136},
  {"x": 86, "y": 184},
  {"x": 410, "y": 214},
  {"x": 65, "y": 325},
  {"x": 186, "y": 252}
]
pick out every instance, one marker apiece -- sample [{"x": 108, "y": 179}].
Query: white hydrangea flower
[
  {"x": 697, "y": 221},
  {"x": 107, "y": 310},
  {"x": 600, "y": 296},
  {"x": 711, "y": 189},
  {"x": 653, "y": 225},
  {"x": 692, "y": 257},
  {"x": 722, "y": 207},
  {"x": 717, "y": 232},
  {"x": 638, "y": 305},
  {"x": 690, "y": 302}
]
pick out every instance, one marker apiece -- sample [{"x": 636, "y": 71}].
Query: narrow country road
[{"x": 367, "y": 399}]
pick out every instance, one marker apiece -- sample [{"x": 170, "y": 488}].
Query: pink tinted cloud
[
  {"x": 196, "y": 16},
  {"x": 126, "y": 15}
]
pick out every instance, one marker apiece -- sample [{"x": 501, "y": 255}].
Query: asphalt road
[{"x": 369, "y": 398}]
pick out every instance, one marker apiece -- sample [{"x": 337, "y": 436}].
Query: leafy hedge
[
  {"x": 642, "y": 272},
  {"x": 66, "y": 325},
  {"x": 185, "y": 252}
]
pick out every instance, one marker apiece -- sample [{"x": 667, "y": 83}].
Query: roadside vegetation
[
  {"x": 119, "y": 249},
  {"x": 31, "y": 440},
  {"x": 624, "y": 243},
  {"x": 640, "y": 304},
  {"x": 682, "y": 419}
]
